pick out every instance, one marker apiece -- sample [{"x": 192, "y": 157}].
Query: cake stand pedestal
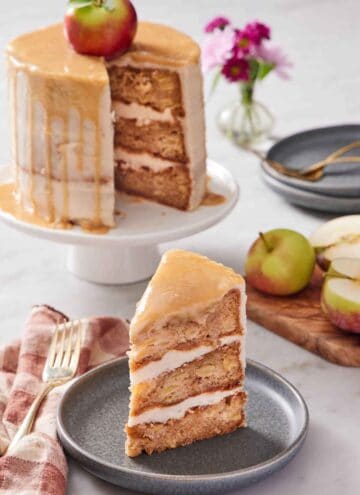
[
  {"x": 129, "y": 252},
  {"x": 113, "y": 265}
]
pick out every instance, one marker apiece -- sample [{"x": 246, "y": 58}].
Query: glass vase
[{"x": 246, "y": 123}]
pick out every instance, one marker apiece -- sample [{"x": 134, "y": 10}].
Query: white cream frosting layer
[
  {"x": 142, "y": 114},
  {"x": 178, "y": 411},
  {"x": 174, "y": 359},
  {"x": 139, "y": 160}
]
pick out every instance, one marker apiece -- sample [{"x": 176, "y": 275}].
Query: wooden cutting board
[{"x": 299, "y": 319}]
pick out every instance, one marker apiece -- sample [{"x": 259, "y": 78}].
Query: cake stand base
[{"x": 113, "y": 265}]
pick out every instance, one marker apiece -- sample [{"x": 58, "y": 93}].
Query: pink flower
[
  {"x": 217, "y": 47},
  {"x": 217, "y": 23},
  {"x": 274, "y": 55},
  {"x": 236, "y": 70},
  {"x": 256, "y": 32},
  {"x": 242, "y": 44}
]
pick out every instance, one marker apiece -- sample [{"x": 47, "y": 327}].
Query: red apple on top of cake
[{"x": 100, "y": 27}]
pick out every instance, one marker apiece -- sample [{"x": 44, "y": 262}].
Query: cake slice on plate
[{"x": 187, "y": 355}]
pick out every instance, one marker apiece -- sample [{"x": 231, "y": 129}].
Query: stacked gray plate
[{"x": 338, "y": 191}]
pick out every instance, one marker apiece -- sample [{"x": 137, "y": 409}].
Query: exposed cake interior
[
  {"x": 157, "y": 99},
  {"x": 187, "y": 357}
]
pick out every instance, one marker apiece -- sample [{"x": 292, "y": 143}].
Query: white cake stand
[{"x": 129, "y": 252}]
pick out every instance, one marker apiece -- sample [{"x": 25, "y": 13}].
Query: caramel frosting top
[
  {"x": 48, "y": 51},
  {"x": 182, "y": 281},
  {"x": 164, "y": 41}
]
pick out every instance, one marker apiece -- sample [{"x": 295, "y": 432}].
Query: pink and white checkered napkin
[{"x": 37, "y": 465}]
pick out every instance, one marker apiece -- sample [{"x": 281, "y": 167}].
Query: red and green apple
[
  {"x": 103, "y": 28},
  {"x": 280, "y": 262}
]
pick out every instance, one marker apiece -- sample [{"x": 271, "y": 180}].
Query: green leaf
[
  {"x": 79, "y": 4},
  {"x": 254, "y": 69},
  {"x": 264, "y": 69}
]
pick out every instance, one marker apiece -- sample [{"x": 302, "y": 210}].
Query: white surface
[{"x": 323, "y": 38}]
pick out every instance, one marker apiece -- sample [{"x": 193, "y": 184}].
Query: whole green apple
[{"x": 280, "y": 262}]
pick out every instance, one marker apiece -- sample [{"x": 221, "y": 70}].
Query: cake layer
[
  {"x": 160, "y": 139},
  {"x": 198, "y": 423},
  {"x": 159, "y": 89},
  {"x": 183, "y": 331},
  {"x": 170, "y": 186},
  {"x": 174, "y": 359},
  {"x": 218, "y": 370}
]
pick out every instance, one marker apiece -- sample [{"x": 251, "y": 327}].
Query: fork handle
[{"x": 28, "y": 421}]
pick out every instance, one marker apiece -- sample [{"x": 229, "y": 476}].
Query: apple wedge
[
  {"x": 340, "y": 297},
  {"x": 339, "y": 238}
]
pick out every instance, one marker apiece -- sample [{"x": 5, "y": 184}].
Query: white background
[{"x": 323, "y": 38}]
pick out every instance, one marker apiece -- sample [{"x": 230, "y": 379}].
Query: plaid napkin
[{"x": 37, "y": 465}]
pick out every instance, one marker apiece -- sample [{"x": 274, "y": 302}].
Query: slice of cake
[
  {"x": 187, "y": 355},
  {"x": 75, "y": 119}
]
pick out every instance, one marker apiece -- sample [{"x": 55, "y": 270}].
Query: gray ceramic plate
[
  {"x": 303, "y": 149},
  {"x": 94, "y": 410},
  {"x": 311, "y": 200}
]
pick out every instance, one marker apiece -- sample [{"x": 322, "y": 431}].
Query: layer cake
[
  {"x": 187, "y": 355},
  {"x": 82, "y": 126}
]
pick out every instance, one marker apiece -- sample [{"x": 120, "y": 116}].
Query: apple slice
[
  {"x": 340, "y": 297},
  {"x": 339, "y": 238}
]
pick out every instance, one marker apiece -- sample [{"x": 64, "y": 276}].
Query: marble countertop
[{"x": 322, "y": 38}]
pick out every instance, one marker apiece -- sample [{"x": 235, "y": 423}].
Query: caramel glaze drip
[
  {"x": 9, "y": 204},
  {"x": 53, "y": 83},
  {"x": 212, "y": 199}
]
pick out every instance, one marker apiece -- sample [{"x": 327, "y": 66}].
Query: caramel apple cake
[
  {"x": 187, "y": 355},
  {"x": 83, "y": 127}
]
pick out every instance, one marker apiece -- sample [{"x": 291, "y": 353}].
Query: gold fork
[
  {"x": 60, "y": 367},
  {"x": 315, "y": 171}
]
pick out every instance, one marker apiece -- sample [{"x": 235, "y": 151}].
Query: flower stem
[{"x": 247, "y": 92}]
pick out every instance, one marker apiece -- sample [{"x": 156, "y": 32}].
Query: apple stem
[
  {"x": 265, "y": 241},
  {"x": 98, "y": 3}
]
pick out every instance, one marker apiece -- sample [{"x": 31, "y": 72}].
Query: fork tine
[
  {"x": 52, "y": 349},
  {"x": 76, "y": 354},
  {"x": 60, "y": 353},
  {"x": 69, "y": 346}
]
